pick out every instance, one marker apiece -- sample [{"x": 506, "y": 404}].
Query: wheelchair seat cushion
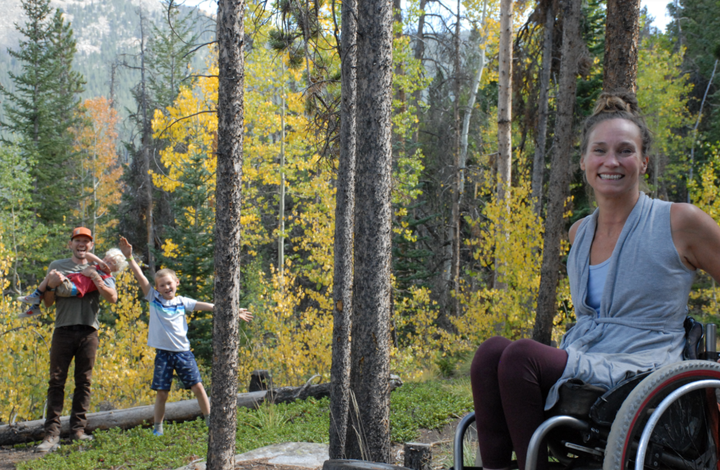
[
  {"x": 583, "y": 401},
  {"x": 604, "y": 409},
  {"x": 576, "y": 399}
]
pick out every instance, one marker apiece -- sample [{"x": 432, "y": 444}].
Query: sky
[{"x": 656, "y": 9}]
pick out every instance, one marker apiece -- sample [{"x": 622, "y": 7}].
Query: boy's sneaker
[
  {"x": 32, "y": 299},
  {"x": 157, "y": 433},
  {"x": 33, "y": 311}
]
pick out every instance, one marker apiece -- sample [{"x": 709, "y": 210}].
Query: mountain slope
[{"x": 107, "y": 32}]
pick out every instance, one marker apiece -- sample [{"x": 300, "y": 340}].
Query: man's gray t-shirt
[{"x": 77, "y": 310}]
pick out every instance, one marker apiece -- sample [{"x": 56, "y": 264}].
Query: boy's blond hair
[
  {"x": 118, "y": 258},
  {"x": 165, "y": 272}
]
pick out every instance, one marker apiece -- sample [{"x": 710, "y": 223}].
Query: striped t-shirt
[{"x": 168, "y": 327}]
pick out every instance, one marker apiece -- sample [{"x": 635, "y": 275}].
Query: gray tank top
[{"x": 639, "y": 325}]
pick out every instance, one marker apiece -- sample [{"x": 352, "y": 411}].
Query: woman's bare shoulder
[
  {"x": 696, "y": 237},
  {"x": 684, "y": 215}
]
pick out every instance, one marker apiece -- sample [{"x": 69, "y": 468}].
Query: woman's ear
[
  {"x": 582, "y": 162},
  {"x": 644, "y": 167}
]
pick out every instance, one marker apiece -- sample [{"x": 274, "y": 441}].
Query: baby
[{"x": 76, "y": 284}]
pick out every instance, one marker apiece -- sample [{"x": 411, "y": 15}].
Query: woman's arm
[{"x": 697, "y": 238}]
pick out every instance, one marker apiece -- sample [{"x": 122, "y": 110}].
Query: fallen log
[{"x": 185, "y": 410}]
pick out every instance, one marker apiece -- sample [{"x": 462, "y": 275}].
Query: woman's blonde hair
[{"x": 619, "y": 104}]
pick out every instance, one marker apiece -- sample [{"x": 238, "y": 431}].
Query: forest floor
[{"x": 442, "y": 453}]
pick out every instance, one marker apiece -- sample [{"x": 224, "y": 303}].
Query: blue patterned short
[{"x": 182, "y": 362}]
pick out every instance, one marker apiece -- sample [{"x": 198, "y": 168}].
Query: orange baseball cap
[{"x": 81, "y": 231}]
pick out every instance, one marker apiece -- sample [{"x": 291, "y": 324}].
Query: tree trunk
[
  {"x": 558, "y": 187},
  {"x": 541, "y": 134},
  {"x": 281, "y": 216},
  {"x": 504, "y": 159},
  {"x": 419, "y": 49},
  {"x": 622, "y": 32},
  {"x": 474, "y": 87},
  {"x": 454, "y": 229},
  {"x": 344, "y": 226},
  {"x": 505, "y": 98},
  {"x": 231, "y": 71},
  {"x": 419, "y": 52},
  {"x": 145, "y": 142},
  {"x": 369, "y": 428}
]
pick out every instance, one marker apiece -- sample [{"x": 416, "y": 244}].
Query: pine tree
[
  {"x": 192, "y": 245},
  {"x": 170, "y": 51},
  {"x": 41, "y": 110},
  {"x": 369, "y": 425},
  {"x": 230, "y": 131},
  {"x": 163, "y": 62}
]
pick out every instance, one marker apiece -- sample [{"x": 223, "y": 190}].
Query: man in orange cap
[{"x": 75, "y": 336}]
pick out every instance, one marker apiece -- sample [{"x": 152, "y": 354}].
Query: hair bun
[{"x": 616, "y": 101}]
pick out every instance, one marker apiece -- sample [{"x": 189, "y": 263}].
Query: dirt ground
[
  {"x": 10, "y": 456},
  {"x": 442, "y": 453}
]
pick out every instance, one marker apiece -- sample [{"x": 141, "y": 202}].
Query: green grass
[
  {"x": 413, "y": 406},
  {"x": 427, "y": 405}
]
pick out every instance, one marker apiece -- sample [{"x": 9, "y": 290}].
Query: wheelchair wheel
[{"x": 683, "y": 438}]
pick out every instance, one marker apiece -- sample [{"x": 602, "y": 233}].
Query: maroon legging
[{"x": 510, "y": 382}]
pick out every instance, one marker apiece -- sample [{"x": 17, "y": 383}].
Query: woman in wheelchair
[{"x": 631, "y": 267}]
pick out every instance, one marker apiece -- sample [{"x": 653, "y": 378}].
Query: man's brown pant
[{"x": 80, "y": 342}]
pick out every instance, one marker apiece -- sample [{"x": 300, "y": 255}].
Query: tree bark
[
  {"x": 622, "y": 32},
  {"x": 344, "y": 226},
  {"x": 369, "y": 428},
  {"x": 454, "y": 229},
  {"x": 419, "y": 52},
  {"x": 541, "y": 134},
  {"x": 559, "y": 184},
  {"x": 419, "y": 49},
  {"x": 145, "y": 142},
  {"x": 505, "y": 98},
  {"x": 474, "y": 87},
  {"x": 504, "y": 158},
  {"x": 231, "y": 65}
]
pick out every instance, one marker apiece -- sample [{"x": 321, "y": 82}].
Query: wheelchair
[{"x": 664, "y": 419}]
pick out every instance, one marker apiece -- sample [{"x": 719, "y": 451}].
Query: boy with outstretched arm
[{"x": 167, "y": 333}]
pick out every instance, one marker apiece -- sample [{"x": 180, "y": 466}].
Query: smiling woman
[
  {"x": 631, "y": 267},
  {"x": 614, "y": 161}
]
